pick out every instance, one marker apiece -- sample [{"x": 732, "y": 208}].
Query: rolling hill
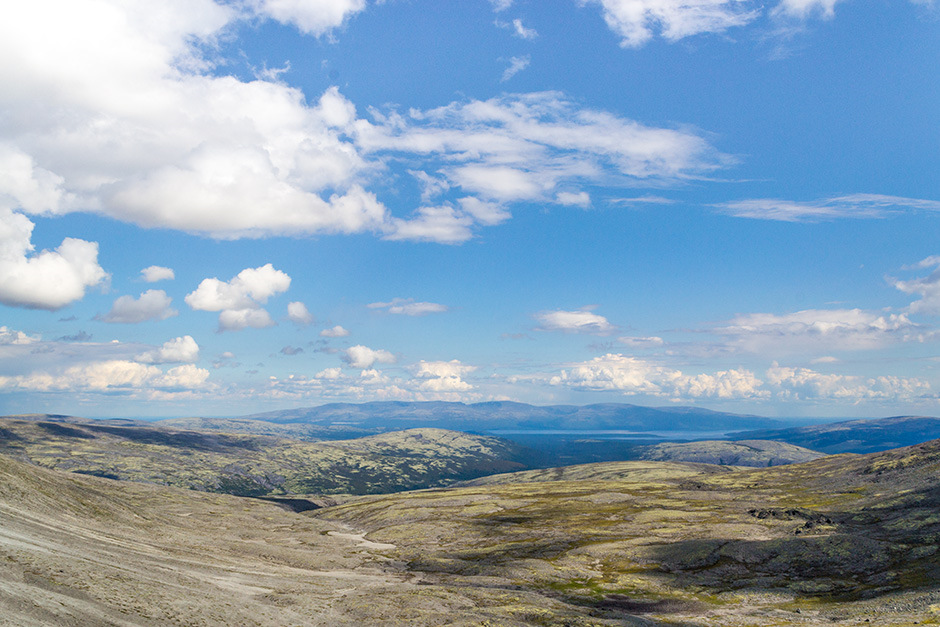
[
  {"x": 253, "y": 465},
  {"x": 847, "y": 539}
]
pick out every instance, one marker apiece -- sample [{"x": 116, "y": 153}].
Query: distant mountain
[
  {"x": 500, "y": 415},
  {"x": 854, "y": 436}
]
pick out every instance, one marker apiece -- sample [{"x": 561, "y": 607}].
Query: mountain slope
[
  {"x": 258, "y": 465},
  {"x": 854, "y": 436},
  {"x": 845, "y": 539},
  {"x": 757, "y": 453},
  {"x": 94, "y": 552}
]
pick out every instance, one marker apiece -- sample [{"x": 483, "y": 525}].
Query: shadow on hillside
[{"x": 868, "y": 552}]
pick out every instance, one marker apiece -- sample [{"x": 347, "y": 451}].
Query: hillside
[
  {"x": 93, "y": 552},
  {"x": 254, "y": 465},
  {"x": 757, "y": 453},
  {"x": 854, "y": 436},
  {"x": 847, "y": 540},
  {"x": 841, "y": 540}
]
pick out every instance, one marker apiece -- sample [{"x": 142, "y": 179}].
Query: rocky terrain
[
  {"x": 840, "y": 540},
  {"x": 757, "y": 453},
  {"x": 252, "y": 465}
]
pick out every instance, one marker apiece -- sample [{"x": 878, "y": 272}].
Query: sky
[{"x": 219, "y": 207}]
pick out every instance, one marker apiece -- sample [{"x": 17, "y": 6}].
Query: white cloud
[
  {"x": 806, "y": 384},
  {"x": 330, "y": 374},
  {"x": 522, "y": 146},
  {"x": 11, "y": 337},
  {"x": 818, "y": 329},
  {"x": 631, "y": 376},
  {"x": 238, "y": 319},
  {"x": 581, "y": 321},
  {"x": 152, "y": 274},
  {"x": 501, "y": 5},
  {"x": 516, "y": 65},
  {"x": 336, "y": 331},
  {"x": 152, "y": 305},
  {"x": 805, "y": 8},
  {"x": 850, "y": 206},
  {"x": 577, "y": 199},
  {"x": 442, "y": 376},
  {"x": 313, "y": 17},
  {"x": 47, "y": 280},
  {"x": 110, "y": 375},
  {"x": 364, "y": 357},
  {"x": 522, "y": 31},
  {"x": 136, "y": 126},
  {"x": 485, "y": 213},
  {"x": 408, "y": 307},
  {"x": 239, "y": 300},
  {"x": 928, "y": 288},
  {"x": 444, "y": 224},
  {"x": 178, "y": 350},
  {"x": 298, "y": 313},
  {"x": 637, "y": 21}
]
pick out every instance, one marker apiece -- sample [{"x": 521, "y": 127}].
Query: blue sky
[{"x": 216, "y": 208}]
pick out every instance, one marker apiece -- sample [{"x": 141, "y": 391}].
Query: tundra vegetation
[{"x": 845, "y": 539}]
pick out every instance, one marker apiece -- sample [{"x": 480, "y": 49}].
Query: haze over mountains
[{"x": 511, "y": 415}]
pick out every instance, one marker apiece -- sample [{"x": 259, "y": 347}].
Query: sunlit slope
[
  {"x": 845, "y": 538},
  {"x": 92, "y": 552},
  {"x": 258, "y": 465}
]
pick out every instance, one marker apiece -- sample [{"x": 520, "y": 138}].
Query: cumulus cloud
[
  {"x": 408, "y": 307},
  {"x": 516, "y": 65},
  {"x": 138, "y": 124},
  {"x": 313, "y": 17},
  {"x": 840, "y": 207},
  {"x": 298, "y": 313},
  {"x": 50, "y": 279},
  {"x": 135, "y": 124},
  {"x": 178, "y": 350},
  {"x": 444, "y": 224},
  {"x": 638, "y": 21},
  {"x": 577, "y": 199},
  {"x": 113, "y": 375},
  {"x": 632, "y": 376},
  {"x": 239, "y": 300},
  {"x": 807, "y": 384},
  {"x": 364, "y": 357},
  {"x": 581, "y": 321},
  {"x": 151, "y": 305},
  {"x": 13, "y": 337},
  {"x": 152, "y": 274},
  {"x": 238, "y": 319},
  {"x": 818, "y": 329},
  {"x": 336, "y": 331},
  {"x": 442, "y": 376}
]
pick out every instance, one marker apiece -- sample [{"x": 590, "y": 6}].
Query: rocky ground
[{"x": 844, "y": 540}]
